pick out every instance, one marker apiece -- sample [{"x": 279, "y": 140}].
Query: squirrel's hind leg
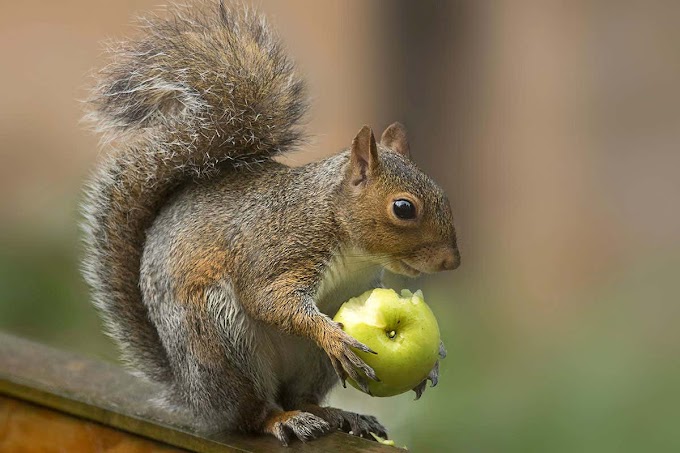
[
  {"x": 213, "y": 371},
  {"x": 215, "y": 374}
]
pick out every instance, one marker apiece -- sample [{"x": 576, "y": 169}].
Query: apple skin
[{"x": 402, "y": 330}]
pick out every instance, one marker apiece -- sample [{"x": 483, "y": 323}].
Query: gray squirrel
[{"x": 217, "y": 269}]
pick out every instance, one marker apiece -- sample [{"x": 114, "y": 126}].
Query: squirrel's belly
[{"x": 350, "y": 273}]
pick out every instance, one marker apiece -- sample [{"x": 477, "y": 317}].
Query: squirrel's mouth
[{"x": 408, "y": 270}]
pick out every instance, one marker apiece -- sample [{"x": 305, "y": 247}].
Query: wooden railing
[{"x": 56, "y": 400}]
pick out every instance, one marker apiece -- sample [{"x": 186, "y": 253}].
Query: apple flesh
[{"x": 401, "y": 329}]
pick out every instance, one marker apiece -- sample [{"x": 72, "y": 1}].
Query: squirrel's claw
[
  {"x": 350, "y": 422},
  {"x": 351, "y": 370},
  {"x": 363, "y": 425},
  {"x": 363, "y": 385},
  {"x": 345, "y": 361},
  {"x": 442, "y": 350},
  {"x": 361, "y": 365},
  {"x": 419, "y": 389},
  {"x": 339, "y": 371},
  {"x": 433, "y": 376}
]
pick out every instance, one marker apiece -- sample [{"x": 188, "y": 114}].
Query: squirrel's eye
[{"x": 404, "y": 209}]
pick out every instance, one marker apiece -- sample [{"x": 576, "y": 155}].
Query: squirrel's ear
[
  {"x": 364, "y": 156},
  {"x": 395, "y": 139}
]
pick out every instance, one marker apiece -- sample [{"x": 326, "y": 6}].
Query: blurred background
[{"x": 553, "y": 126}]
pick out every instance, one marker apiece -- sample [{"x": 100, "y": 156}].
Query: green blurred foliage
[{"x": 42, "y": 295}]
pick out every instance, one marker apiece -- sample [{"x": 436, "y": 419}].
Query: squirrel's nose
[{"x": 451, "y": 259}]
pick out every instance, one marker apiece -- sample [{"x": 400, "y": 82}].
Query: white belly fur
[{"x": 349, "y": 274}]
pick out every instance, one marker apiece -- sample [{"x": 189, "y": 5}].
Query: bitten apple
[{"x": 402, "y": 330}]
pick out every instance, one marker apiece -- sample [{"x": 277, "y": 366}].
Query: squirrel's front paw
[
  {"x": 338, "y": 345},
  {"x": 434, "y": 373}
]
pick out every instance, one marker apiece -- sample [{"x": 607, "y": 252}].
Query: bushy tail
[{"x": 202, "y": 89}]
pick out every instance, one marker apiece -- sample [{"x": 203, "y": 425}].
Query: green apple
[{"x": 402, "y": 330}]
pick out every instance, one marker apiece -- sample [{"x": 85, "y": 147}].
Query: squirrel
[{"x": 216, "y": 268}]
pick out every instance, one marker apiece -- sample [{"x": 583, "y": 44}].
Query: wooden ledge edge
[{"x": 104, "y": 393}]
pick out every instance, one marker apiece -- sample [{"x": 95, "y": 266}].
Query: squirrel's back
[{"x": 201, "y": 90}]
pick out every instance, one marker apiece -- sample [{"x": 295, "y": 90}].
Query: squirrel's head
[{"x": 396, "y": 212}]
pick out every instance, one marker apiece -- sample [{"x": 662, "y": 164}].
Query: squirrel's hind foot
[
  {"x": 349, "y": 422},
  {"x": 285, "y": 426}
]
